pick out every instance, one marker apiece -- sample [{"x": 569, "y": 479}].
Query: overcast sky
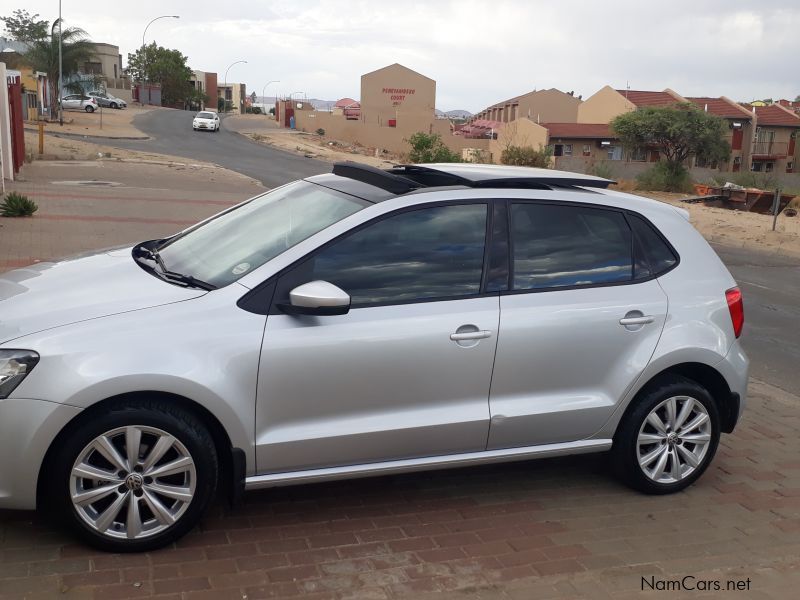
[{"x": 478, "y": 52}]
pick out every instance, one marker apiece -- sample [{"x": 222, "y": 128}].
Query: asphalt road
[
  {"x": 770, "y": 284},
  {"x": 771, "y": 336},
  {"x": 171, "y": 133}
]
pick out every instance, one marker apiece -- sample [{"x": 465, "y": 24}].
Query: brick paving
[{"x": 558, "y": 528}]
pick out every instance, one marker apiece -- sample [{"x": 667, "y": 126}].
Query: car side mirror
[{"x": 317, "y": 298}]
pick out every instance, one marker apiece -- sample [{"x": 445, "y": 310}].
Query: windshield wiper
[{"x": 152, "y": 254}]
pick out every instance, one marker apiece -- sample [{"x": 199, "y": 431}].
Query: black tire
[
  {"x": 626, "y": 450},
  {"x": 90, "y": 109},
  {"x": 114, "y": 105},
  {"x": 150, "y": 415}
]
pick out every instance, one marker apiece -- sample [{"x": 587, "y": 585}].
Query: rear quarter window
[{"x": 652, "y": 249}]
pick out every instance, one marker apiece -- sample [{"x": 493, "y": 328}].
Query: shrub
[
  {"x": 665, "y": 177},
  {"x": 602, "y": 169},
  {"x": 321, "y": 132},
  {"x": 527, "y": 156},
  {"x": 429, "y": 148},
  {"x": 17, "y": 205}
]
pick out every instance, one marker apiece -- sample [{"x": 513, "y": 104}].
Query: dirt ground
[
  {"x": 106, "y": 123},
  {"x": 264, "y": 130},
  {"x": 737, "y": 228}
]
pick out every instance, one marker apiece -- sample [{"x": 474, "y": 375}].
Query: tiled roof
[
  {"x": 579, "y": 130},
  {"x": 775, "y": 115},
  {"x": 640, "y": 98},
  {"x": 721, "y": 107}
]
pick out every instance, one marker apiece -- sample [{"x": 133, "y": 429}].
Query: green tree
[
  {"x": 25, "y": 27},
  {"x": 167, "y": 67},
  {"x": 42, "y": 55},
  {"x": 429, "y": 148},
  {"x": 677, "y": 132},
  {"x": 527, "y": 156}
]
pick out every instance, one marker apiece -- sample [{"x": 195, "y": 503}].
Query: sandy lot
[
  {"x": 736, "y": 228},
  {"x": 101, "y": 123}
]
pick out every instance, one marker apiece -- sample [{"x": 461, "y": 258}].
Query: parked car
[
  {"x": 79, "y": 102},
  {"x": 206, "y": 120},
  {"x": 366, "y": 322},
  {"x": 106, "y": 100}
]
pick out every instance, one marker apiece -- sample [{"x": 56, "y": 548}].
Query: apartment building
[
  {"x": 540, "y": 106},
  {"x": 774, "y": 146},
  {"x": 740, "y": 136}
]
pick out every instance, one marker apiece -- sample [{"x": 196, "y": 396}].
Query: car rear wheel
[
  {"x": 669, "y": 438},
  {"x": 90, "y": 109},
  {"x": 136, "y": 477}
]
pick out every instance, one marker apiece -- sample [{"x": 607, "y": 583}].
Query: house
[
  {"x": 774, "y": 145},
  {"x": 587, "y": 142},
  {"x": 608, "y": 103},
  {"x": 741, "y": 131},
  {"x": 539, "y": 105}
]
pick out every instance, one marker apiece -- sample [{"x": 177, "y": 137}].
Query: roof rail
[
  {"x": 402, "y": 179},
  {"x": 396, "y": 184}
]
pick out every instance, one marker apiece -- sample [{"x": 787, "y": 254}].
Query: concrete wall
[
  {"x": 121, "y": 93},
  {"x": 110, "y": 60},
  {"x": 603, "y": 106},
  {"x": 396, "y": 90}
]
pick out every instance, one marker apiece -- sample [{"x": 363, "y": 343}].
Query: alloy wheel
[
  {"x": 132, "y": 482},
  {"x": 674, "y": 439}
]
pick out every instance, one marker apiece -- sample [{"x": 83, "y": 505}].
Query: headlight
[{"x": 14, "y": 367}]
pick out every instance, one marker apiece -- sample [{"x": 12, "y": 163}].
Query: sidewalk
[{"x": 85, "y": 205}]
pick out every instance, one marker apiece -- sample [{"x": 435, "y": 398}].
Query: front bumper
[{"x": 27, "y": 428}]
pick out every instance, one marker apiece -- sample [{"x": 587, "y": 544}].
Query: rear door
[{"x": 578, "y": 326}]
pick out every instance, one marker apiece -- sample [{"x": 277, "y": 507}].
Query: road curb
[{"x": 86, "y": 136}]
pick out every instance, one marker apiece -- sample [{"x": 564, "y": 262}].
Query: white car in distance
[{"x": 206, "y": 120}]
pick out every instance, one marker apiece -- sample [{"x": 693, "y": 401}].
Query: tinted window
[
  {"x": 558, "y": 246},
  {"x": 422, "y": 254},
  {"x": 657, "y": 253}
]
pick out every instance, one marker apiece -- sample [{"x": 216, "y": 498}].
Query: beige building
[
  {"x": 740, "y": 132},
  {"x": 234, "y": 94},
  {"x": 774, "y": 148},
  {"x": 608, "y": 103},
  {"x": 540, "y": 106},
  {"x": 396, "y": 93}
]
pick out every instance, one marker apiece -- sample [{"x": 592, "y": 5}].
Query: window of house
[
  {"x": 614, "y": 152},
  {"x": 567, "y": 149},
  {"x": 756, "y": 166},
  {"x": 769, "y": 167},
  {"x": 639, "y": 154},
  {"x": 587, "y": 149},
  {"x": 422, "y": 254},
  {"x": 790, "y": 167},
  {"x": 560, "y": 246},
  {"x": 558, "y": 150}
]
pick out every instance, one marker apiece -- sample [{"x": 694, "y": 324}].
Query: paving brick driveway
[{"x": 553, "y": 528}]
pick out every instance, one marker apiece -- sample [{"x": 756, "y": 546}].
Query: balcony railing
[{"x": 770, "y": 149}]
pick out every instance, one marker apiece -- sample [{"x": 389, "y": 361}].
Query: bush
[
  {"x": 17, "y": 205},
  {"x": 665, "y": 177},
  {"x": 602, "y": 169},
  {"x": 429, "y": 148},
  {"x": 527, "y": 156},
  {"x": 321, "y": 132}
]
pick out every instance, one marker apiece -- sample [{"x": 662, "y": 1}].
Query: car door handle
[
  {"x": 643, "y": 320},
  {"x": 471, "y": 335}
]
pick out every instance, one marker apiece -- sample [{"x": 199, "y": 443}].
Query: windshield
[
  {"x": 204, "y": 116},
  {"x": 237, "y": 241}
]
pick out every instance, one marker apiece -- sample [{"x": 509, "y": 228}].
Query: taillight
[{"x": 736, "y": 308}]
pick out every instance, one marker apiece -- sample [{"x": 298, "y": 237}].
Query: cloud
[{"x": 478, "y": 52}]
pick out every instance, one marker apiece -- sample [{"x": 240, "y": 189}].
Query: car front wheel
[
  {"x": 134, "y": 477},
  {"x": 666, "y": 442},
  {"x": 114, "y": 105}
]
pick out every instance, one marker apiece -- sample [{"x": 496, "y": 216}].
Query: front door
[
  {"x": 577, "y": 328},
  {"x": 406, "y": 372}
]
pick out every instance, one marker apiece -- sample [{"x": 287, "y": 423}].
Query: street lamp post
[
  {"x": 263, "y": 92},
  {"x": 60, "y": 69},
  {"x": 225, "y": 84},
  {"x": 144, "y": 57}
]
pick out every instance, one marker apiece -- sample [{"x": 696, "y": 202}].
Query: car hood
[{"x": 52, "y": 294}]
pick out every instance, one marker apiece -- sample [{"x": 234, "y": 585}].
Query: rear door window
[{"x": 558, "y": 246}]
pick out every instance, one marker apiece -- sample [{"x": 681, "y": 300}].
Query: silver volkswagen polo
[{"x": 366, "y": 322}]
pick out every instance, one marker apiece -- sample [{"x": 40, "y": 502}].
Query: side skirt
[{"x": 450, "y": 461}]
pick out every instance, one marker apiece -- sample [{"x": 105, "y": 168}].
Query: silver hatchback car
[{"x": 366, "y": 322}]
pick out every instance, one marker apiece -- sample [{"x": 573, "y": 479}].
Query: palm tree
[{"x": 76, "y": 49}]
